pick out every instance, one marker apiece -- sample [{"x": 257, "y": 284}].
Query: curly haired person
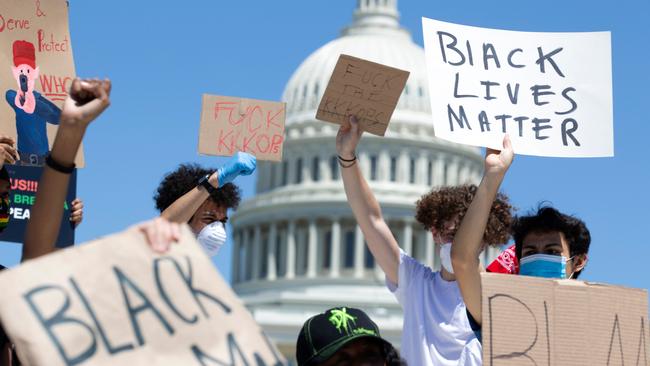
[
  {"x": 201, "y": 198},
  {"x": 436, "y": 329}
]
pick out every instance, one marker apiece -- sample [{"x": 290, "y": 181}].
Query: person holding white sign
[
  {"x": 436, "y": 329},
  {"x": 201, "y": 198},
  {"x": 547, "y": 244}
]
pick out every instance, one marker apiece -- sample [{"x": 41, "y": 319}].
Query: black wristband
[
  {"x": 49, "y": 161},
  {"x": 348, "y": 160},
  {"x": 205, "y": 183}
]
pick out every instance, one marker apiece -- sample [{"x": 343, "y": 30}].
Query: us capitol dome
[{"x": 297, "y": 247}]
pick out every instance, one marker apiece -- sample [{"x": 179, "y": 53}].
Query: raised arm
[
  {"x": 365, "y": 207},
  {"x": 87, "y": 100},
  {"x": 468, "y": 241},
  {"x": 183, "y": 209}
]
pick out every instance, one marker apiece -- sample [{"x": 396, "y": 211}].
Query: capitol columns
[
  {"x": 245, "y": 270},
  {"x": 421, "y": 168},
  {"x": 438, "y": 178},
  {"x": 429, "y": 249},
  {"x": 312, "y": 242},
  {"x": 257, "y": 255},
  {"x": 291, "y": 250},
  {"x": 358, "y": 252},
  {"x": 335, "y": 248},
  {"x": 407, "y": 237},
  {"x": 235, "y": 255},
  {"x": 270, "y": 256},
  {"x": 383, "y": 169}
]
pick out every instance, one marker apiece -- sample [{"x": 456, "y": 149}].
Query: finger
[
  {"x": 108, "y": 85},
  {"x": 6, "y": 140},
  {"x": 176, "y": 231},
  {"x": 75, "y": 87},
  {"x": 7, "y": 157},
  {"x": 13, "y": 152},
  {"x": 507, "y": 144}
]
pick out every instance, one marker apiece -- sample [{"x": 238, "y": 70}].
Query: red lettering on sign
[
  {"x": 276, "y": 142},
  {"x": 51, "y": 45},
  {"x": 12, "y": 24},
  {"x": 54, "y": 87}
]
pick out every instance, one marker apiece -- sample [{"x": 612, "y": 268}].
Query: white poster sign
[{"x": 551, "y": 92}]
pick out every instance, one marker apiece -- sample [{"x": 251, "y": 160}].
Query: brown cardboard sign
[
  {"x": 115, "y": 302},
  {"x": 230, "y": 124},
  {"x": 365, "y": 89},
  {"x": 528, "y": 320},
  {"x": 36, "y": 70}
]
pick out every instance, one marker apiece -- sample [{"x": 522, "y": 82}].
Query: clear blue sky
[{"x": 162, "y": 57}]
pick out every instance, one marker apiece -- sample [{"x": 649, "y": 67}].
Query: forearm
[
  {"x": 468, "y": 242},
  {"x": 367, "y": 212},
  {"x": 182, "y": 210},
  {"x": 47, "y": 212}
]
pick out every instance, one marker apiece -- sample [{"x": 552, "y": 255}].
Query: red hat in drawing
[{"x": 24, "y": 53}]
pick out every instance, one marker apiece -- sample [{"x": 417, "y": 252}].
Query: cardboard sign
[
  {"x": 536, "y": 321},
  {"x": 115, "y": 302},
  {"x": 230, "y": 124},
  {"x": 24, "y": 183},
  {"x": 365, "y": 89},
  {"x": 551, "y": 92},
  {"x": 36, "y": 69}
]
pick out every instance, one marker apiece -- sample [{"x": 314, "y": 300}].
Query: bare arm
[
  {"x": 86, "y": 101},
  {"x": 183, "y": 209},
  {"x": 468, "y": 241},
  {"x": 365, "y": 207}
]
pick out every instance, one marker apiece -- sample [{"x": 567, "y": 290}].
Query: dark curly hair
[
  {"x": 442, "y": 205},
  {"x": 392, "y": 356},
  {"x": 182, "y": 180},
  {"x": 548, "y": 219}
]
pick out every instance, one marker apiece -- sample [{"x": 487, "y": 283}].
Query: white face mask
[
  {"x": 445, "y": 257},
  {"x": 212, "y": 238}
]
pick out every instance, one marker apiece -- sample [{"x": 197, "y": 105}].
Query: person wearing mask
[
  {"x": 201, "y": 198},
  {"x": 436, "y": 330},
  {"x": 548, "y": 243}
]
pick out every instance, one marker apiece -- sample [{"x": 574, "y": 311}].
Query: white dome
[{"x": 375, "y": 35}]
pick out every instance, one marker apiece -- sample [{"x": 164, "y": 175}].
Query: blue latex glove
[{"x": 240, "y": 164}]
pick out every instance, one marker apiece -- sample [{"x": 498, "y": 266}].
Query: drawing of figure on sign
[{"x": 33, "y": 111}]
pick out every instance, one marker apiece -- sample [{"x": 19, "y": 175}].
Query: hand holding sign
[
  {"x": 367, "y": 90},
  {"x": 8, "y": 152},
  {"x": 115, "y": 302},
  {"x": 348, "y": 138},
  {"x": 498, "y": 162}
]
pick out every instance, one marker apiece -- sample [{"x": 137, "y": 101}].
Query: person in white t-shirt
[{"x": 436, "y": 328}]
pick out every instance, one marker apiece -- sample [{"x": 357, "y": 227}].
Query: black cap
[{"x": 324, "y": 334}]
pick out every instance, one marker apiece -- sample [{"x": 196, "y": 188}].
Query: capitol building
[{"x": 297, "y": 247}]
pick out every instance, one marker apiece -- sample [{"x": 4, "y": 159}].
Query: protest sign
[
  {"x": 551, "y": 92},
  {"x": 114, "y": 302},
  {"x": 537, "y": 321},
  {"x": 22, "y": 195},
  {"x": 36, "y": 70},
  {"x": 364, "y": 89},
  {"x": 230, "y": 124}
]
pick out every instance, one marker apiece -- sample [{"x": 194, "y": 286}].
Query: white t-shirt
[{"x": 436, "y": 330}]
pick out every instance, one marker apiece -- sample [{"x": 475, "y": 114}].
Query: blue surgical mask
[{"x": 543, "y": 265}]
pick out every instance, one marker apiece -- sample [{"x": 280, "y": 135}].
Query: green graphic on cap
[
  {"x": 340, "y": 319},
  {"x": 364, "y": 331}
]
